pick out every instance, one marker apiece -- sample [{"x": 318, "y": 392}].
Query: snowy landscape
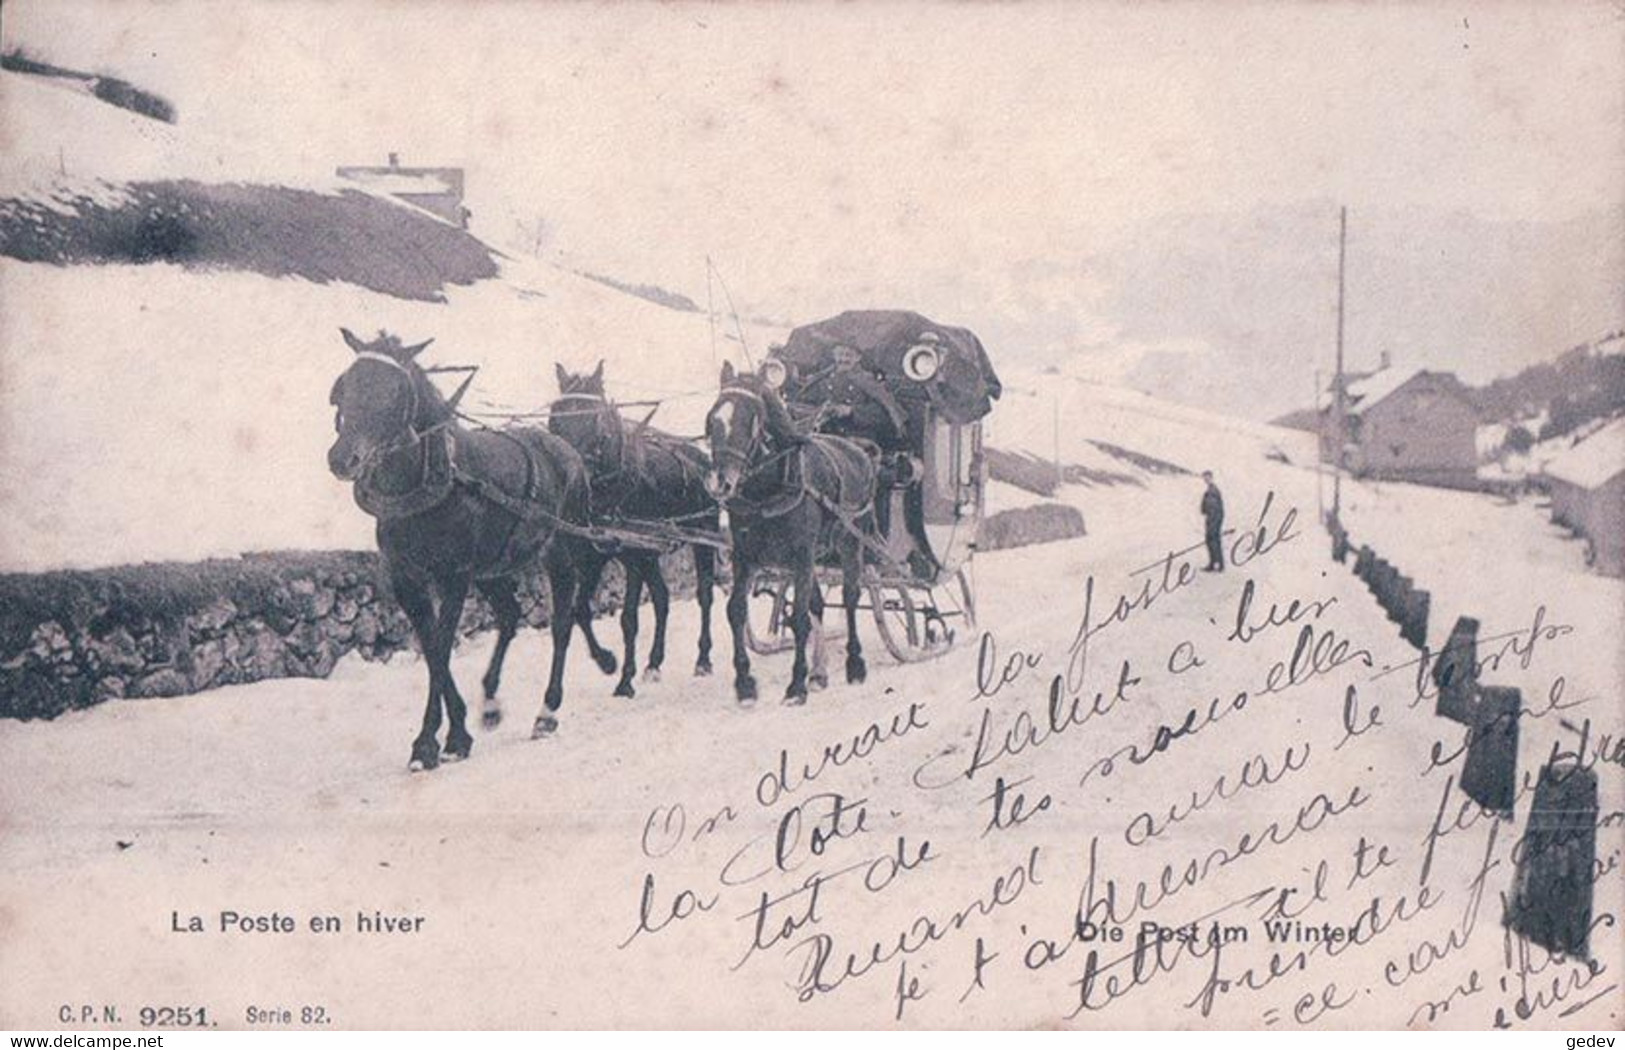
[{"x": 1136, "y": 794}]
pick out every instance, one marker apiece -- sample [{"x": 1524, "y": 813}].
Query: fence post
[
  {"x": 1340, "y": 538},
  {"x": 1400, "y": 613},
  {"x": 1382, "y": 581},
  {"x": 1552, "y": 887},
  {"x": 1415, "y": 629},
  {"x": 1455, "y": 671},
  {"x": 1489, "y": 776}
]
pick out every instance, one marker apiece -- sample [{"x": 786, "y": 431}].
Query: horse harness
[
  {"x": 619, "y": 480},
  {"x": 434, "y": 464},
  {"x": 440, "y": 473},
  {"x": 795, "y": 479}
]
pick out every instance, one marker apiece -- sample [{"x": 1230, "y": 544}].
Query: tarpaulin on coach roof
[{"x": 963, "y": 388}]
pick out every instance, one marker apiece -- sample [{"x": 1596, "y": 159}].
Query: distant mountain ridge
[
  {"x": 1548, "y": 399},
  {"x": 1258, "y": 293}
]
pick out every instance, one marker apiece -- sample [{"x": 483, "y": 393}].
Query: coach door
[{"x": 952, "y": 489}]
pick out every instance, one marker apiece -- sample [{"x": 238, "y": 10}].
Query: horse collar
[
  {"x": 437, "y": 468},
  {"x": 794, "y": 487}
]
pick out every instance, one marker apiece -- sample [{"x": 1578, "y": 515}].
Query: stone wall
[{"x": 74, "y": 639}]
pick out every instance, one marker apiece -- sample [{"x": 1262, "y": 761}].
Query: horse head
[
  {"x": 582, "y": 415},
  {"x": 747, "y": 420},
  {"x": 378, "y": 400}
]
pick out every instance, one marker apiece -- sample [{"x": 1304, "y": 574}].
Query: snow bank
[{"x": 119, "y": 812}]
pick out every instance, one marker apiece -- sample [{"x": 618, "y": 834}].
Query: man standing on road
[{"x": 1213, "y": 516}]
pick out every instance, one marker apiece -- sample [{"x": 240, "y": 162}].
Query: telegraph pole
[
  {"x": 1339, "y": 409},
  {"x": 1055, "y": 434},
  {"x": 711, "y": 311},
  {"x": 1320, "y": 449}
]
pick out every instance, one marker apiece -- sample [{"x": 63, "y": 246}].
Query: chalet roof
[
  {"x": 1371, "y": 390},
  {"x": 1593, "y": 462},
  {"x": 1350, "y": 376},
  {"x": 399, "y": 181}
]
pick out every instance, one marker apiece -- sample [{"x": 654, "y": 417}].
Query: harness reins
[
  {"x": 431, "y": 492},
  {"x": 804, "y": 490},
  {"x": 847, "y": 520},
  {"x": 410, "y": 433},
  {"x": 526, "y": 509},
  {"x": 609, "y": 430}
]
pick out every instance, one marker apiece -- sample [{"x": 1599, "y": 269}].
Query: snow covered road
[{"x": 933, "y": 846}]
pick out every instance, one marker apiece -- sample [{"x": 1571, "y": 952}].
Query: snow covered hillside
[
  {"x": 1054, "y": 412},
  {"x": 186, "y": 415}
]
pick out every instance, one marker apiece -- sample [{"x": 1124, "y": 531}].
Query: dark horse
[
  {"x": 789, "y": 497},
  {"x": 456, "y": 508},
  {"x": 637, "y": 473}
]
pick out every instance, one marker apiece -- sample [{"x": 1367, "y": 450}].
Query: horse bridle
[
  {"x": 601, "y": 411},
  {"x": 757, "y": 428},
  {"x": 410, "y": 434}
]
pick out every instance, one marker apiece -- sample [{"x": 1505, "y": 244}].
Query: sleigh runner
[{"x": 931, "y": 496}]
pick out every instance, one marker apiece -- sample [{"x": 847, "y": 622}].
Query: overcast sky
[{"x": 895, "y": 152}]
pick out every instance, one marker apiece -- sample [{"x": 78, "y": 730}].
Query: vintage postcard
[{"x": 802, "y": 515}]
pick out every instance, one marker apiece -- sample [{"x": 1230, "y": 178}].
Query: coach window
[{"x": 945, "y": 453}]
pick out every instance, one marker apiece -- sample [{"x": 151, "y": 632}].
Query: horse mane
[
  {"x": 433, "y": 408},
  {"x": 632, "y": 451}
]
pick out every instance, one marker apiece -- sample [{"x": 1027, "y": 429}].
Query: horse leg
[
  {"x": 504, "y": 603},
  {"x": 660, "y": 598},
  {"x": 801, "y": 626},
  {"x": 414, "y": 599},
  {"x": 705, "y": 578},
  {"x": 452, "y": 597},
  {"x": 629, "y": 624},
  {"x": 561, "y": 579},
  {"x": 738, "y": 608},
  {"x": 818, "y": 677},
  {"x": 592, "y": 564},
  {"x": 851, "y": 575}
]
